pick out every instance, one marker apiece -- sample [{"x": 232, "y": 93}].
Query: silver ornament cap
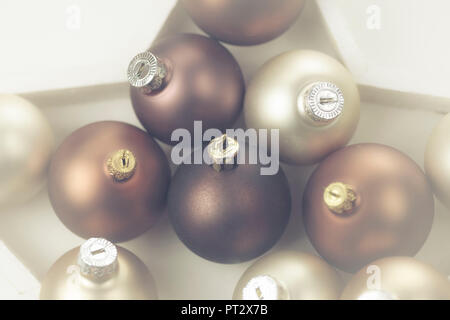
[
  {"x": 223, "y": 152},
  {"x": 264, "y": 287},
  {"x": 146, "y": 71},
  {"x": 322, "y": 101},
  {"x": 97, "y": 258}
]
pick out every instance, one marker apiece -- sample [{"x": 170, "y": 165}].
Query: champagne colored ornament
[
  {"x": 364, "y": 202},
  {"x": 26, "y": 144},
  {"x": 437, "y": 160},
  {"x": 184, "y": 78},
  {"x": 397, "y": 278},
  {"x": 109, "y": 179},
  {"x": 289, "y": 275},
  {"x": 228, "y": 213},
  {"x": 248, "y": 22},
  {"x": 98, "y": 270},
  {"x": 311, "y": 98}
]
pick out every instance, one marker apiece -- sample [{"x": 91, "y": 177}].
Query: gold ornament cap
[
  {"x": 147, "y": 71},
  {"x": 339, "y": 197},
  {"x": 223, "y": 152},
  {"x": 121, "y": 165},
  {"x": 321, "y": 102},
  {"x": 264, "y": 287},
  {"x": 97, "y": 258}
]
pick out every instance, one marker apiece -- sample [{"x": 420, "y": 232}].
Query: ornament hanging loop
[
  {"x": 223, "y": 152},
  {"x": 147, "y": 71},
  {"x": 121, "y": 165},
  {"x": 339, "y": 197}
]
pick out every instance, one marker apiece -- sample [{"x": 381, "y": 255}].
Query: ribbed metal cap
[
  {"x": 322, "y": 101},
  {"x": 223, "y": 152},
  {"x": 146, "y": 71},
  {"x": 97, "y": 258},
  {"x": 264, "y": 287}
]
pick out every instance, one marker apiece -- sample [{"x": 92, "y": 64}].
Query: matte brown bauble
[
  {"x": 397, "y": 278},
  {"x": 311, "y": 98},
  {"x": 289, "y": 275},
  {"x": 98, "y": 270},
  {"x": 109, "y": 179},
  {"x": 184, "y": 78},
  {"x": 228, "y": 215},
  {"x": 365, "y": 202},
  {"x": 244, "y": 22}
]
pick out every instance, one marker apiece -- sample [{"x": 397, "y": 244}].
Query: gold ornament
[{"x": 98, "y": 270}]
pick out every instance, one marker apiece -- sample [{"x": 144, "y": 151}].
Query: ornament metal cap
[
  {"x": 97, "y": 258},
  {"x": 264, "y": 287},
  {"x": 121, "y": 165},
  {"x": 339, "y": 197},
  {"x": 223, "y": 152},
  {"x": 146, "y": 71},
  {"x": 322, "y": 102}
]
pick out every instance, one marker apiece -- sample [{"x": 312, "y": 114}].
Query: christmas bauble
[
  {"x": 184, "y": 78},
  {"x": 289, "y": 275},
  {"x": 437, "y": 160},
  {"x": 109, "y": 179},
  {"x": 246, "y": 22},
  {"x": 397, "y": 278},
  {"x": 365, "y": 202},
  {"x": 230, "y": 214},
  {"x": 26, "y": 144},
  {"x": 98, "y": 270},
  {"x": 310, "y": 97}
]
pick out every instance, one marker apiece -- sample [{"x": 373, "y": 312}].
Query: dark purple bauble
[
  {"x": 228, "y": 216},
  {"x": 204, "y": 82}
]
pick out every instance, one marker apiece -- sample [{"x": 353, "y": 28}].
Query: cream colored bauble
[{"x": 26, "y": 144}]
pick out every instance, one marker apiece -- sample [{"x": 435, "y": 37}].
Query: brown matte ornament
[
  {"x": 101, "y": 271},
  {"x": 289, "y": 275},
  {"x": 226, "y": 213},
  {"x": 365, "y": 202},
  {"x": 184, "y": 78},
  {"x": 248, "y": 22},
  {"x": 310, "y": 98},
  {"x": 397, "y": 278},
  {"x": 109, "y": 179}
]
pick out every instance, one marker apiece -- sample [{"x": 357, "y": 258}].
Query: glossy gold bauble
[
  {"x": 26, "y": 144},
  {"x": 109, "y": 179},
  {"x": 365, "y": 202},
  {"x": 130, "y": 280},
  {"x": 289, "y": 275},
  {"x": 437, "y": 160},
  {"x": 244, "y": 22},
  {"x": 397, "y": 278},
  {"x": 310, "y": 97}
]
